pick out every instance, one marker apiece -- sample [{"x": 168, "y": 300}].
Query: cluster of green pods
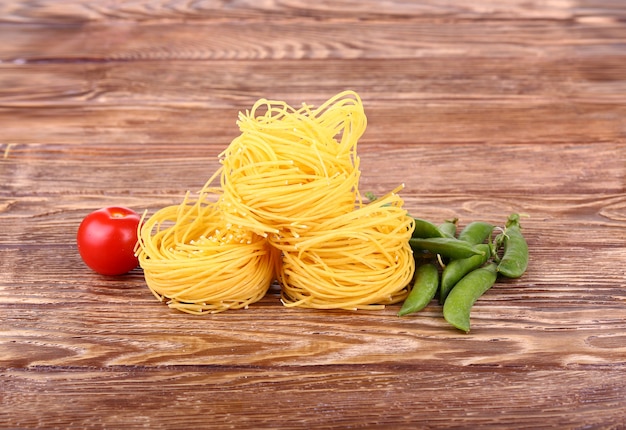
[{"x": 459, "y": 268}]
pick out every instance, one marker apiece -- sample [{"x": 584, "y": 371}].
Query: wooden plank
[
  {"x": 305, "y": 39},
  {"x": 239, "y": 83},
  {"x": 299, "y": 397},
  {"x": 51, "y": 12},
  {"x": 449, "y": 122},
  {"x": 101, "y": 324}
]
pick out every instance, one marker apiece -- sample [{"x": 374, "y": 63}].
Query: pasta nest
[
  {"x": 198, "y": 262},
  {"x": 292, "y": 166},
  {"x": 359, "y": 260}
]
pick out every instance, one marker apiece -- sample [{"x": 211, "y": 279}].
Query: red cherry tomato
[{"x": 106, "y": 240}]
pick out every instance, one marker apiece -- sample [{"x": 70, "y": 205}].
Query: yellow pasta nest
[
  {"x": 197, "y": 262},
  {"x": 292, "y": 166},
  {"x": 359, "y": 260}
]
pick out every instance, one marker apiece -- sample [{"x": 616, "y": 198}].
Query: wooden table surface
[{"x": 480, "y": 108}]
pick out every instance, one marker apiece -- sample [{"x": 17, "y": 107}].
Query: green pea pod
[
  {"x": 423, "y": 291},
  {"x": 458, "y": 304},
  {"x": 448, "y": 228},
  {"x": 476, "y": 232},
  {"x": 426, "y": 229},
  {"x": 456, "y": 269},
  {"x": 446, "y": 247},
  {"x": 514, "y": 260}
]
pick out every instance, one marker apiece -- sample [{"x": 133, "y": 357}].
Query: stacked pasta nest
[{"x": 287, "y": 208}]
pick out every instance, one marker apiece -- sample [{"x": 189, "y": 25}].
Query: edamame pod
[
  {"x": 458, "y": 304},
  {"x": 426, "y": 229},
  {"x": 476, "y": 232},
  {"x": 446, "y": 247},
  {"x": 456, "y": 269},
  {"x": 448, "y": 228},
  {"x": 424, "y": 289},
  {"x": 514, "y": 260}
]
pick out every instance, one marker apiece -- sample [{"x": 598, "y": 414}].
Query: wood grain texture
[
  {"x": 386, "y": 397},
  {"x": 75, "y": 11},
  {"x": 480, "y": 109}
]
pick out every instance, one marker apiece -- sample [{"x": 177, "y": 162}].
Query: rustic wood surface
[{"x": 480, "y": 108}]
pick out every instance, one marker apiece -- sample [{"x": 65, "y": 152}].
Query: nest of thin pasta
[
  {"x": 359, "y": 260},
  {"x": 197, "y": 262},
  {"x": 293, "y": 166}
]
